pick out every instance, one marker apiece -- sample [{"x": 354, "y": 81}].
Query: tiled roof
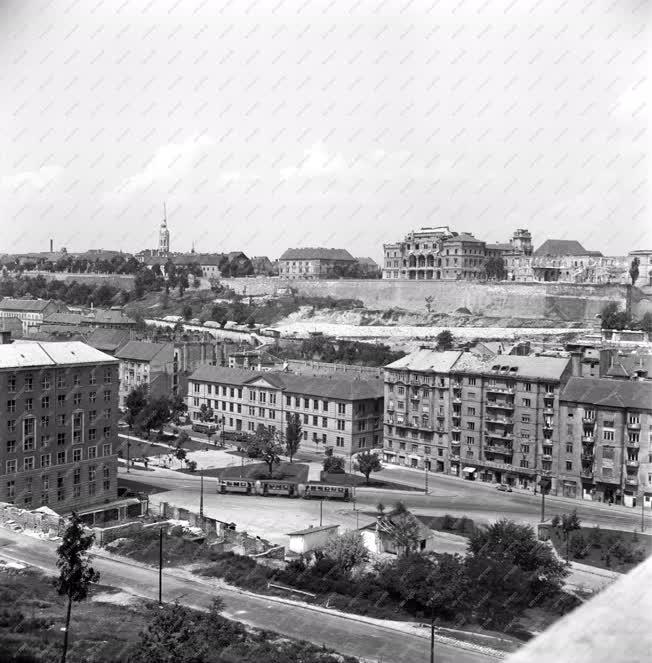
[
  {"x": 108, "y": 340},
  {"x": 426, "y": 359},
  {"x": 627, "y": 365},
  {"x": 323, "y": 386},
  {"x": 317, "y": 253},
  {"x": 141, "y": 350},
  {"x": 463, "y": 237},
  {"x": 101, "y": 316},
  {"x": 63, "y": 319},
  {"x": 561, "y": 247},
  {"x": 500, "y": 247},
  {"x": 544, "y": 368},
  {"x": 18, "y": 355},
  {"x": 609, "y": 392},
  {"x": 9, "y": 304},
  {"x": 310, "y": 530}
]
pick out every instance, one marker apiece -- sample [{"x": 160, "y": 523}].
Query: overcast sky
[{"x": 341, "y": 123}]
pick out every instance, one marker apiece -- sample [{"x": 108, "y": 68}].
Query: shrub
[
  {"x": 334, "y": 465},
  {"x": 595, "y": 537},
  {"x": 578, "y": 547},
  {"x": 448, "y": 522},
  {"x": 556, "y": 521}
]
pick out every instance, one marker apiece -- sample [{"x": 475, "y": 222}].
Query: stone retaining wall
[{"x": 539, "y": 301}]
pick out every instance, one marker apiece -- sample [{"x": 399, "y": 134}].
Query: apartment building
[
  {"x": 313, "y": 263},
  {"x": 30, "y": 312},
  {"x": 145, "y": 364},
  {"x": 494, "y": 419},
  {"x": 58, "y": 431},
  {"x": 342, "y": 413},
  {"x": 606, "y": 446}
]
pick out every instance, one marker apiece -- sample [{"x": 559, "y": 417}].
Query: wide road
[
  {"x": 362, "y": 639},
  {"x": 474, "y": 499}
]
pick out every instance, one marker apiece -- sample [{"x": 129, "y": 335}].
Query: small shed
[{"x": 311, "y": 538}]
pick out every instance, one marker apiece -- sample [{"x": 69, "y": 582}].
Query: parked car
[{"x": 503, "y": 487}]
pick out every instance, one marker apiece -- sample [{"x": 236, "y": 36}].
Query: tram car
[
  {"x": 235, "y": 486},
  {"x": 320, "y": 491},
  {"x": 283, "y": 488}
]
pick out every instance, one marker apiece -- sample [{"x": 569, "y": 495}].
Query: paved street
[{"x": 348, "y": 636}]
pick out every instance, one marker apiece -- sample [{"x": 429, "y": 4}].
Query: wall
[
  {"x": 41, "y": 522},
  {"x": 122, "y": 281},
  {"x": 539, "y": 301}
]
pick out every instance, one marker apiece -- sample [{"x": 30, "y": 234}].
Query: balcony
[
  {"x": 586, "y": 472},
  {"x": 633, "y": 445},
  {"x": 588, "y": 438},
  {"x": 587, "y": 458},
  {"x": 504, "y": 405},
  {"x": 499, "y": 435},
  {"x": 505, "y": 421},
  {"x": 500, "y": 390},
  {"x": 588, "y": 421},
  {"x": 457, "y": 400},
  {"x": 441, "y": 416},
  {"x": 502, "y": 449},
  {"x": 633, "y": 464},
  {"x": 631, "y": 481},
  {"x": 548, "y": 425},
  {"x": 549, "y": 394},
  {"x": 634, "y": 425},
  {"x": 456, "y": 443}
]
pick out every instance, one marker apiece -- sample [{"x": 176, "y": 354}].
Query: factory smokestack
[{"x": 51, "y": 246}]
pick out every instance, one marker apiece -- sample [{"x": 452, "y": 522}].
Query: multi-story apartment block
[
  {"x": 313, "y": 263},
  {"x": 59, "y": 425},
  {"x": 338, "y": 412},
  {"x": 145, "y": 364},
  {"x": 440, "y": 254},
  {"x": 455, "y": 412},
  {"x": 31, "y": 312},
  {"x": 606, "y": 444}
]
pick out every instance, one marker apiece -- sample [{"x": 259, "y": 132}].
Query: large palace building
[{"x": 440, "y": 254}]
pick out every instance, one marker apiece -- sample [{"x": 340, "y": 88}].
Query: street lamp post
[
  {"x": 425, "y": 467},
  {"x": 128, "y": 448},
  {"x": 160, "y": 566},
  {"x": 321, "y": 511},
  {"x": 642, "y": 512}
]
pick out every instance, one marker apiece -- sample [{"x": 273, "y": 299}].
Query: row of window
[
  {"x": 45, "y": 401},
  {"x": 44, "y": 488},
  {"x": 60, "y": 458},
  {"x": 60, "y": 420},
  {"x": 60, "y": 380},
  {"x": 29, "y": 443},
  {"x": 263, "y": 396}
]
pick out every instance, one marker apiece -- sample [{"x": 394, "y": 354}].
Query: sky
[{"x": 272, "y": 124}]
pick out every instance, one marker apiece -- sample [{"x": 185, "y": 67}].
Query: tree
[
  {"x": 494, "y": 267},
  {"x": 347, "y": 550},
  {"x": 514, "y": 544},
  {"x": 366, "y": 463},
  {"x": 182, "y": 439},
  {"x": 154, "y": 414},
  {"x": 183, "y": 283},
  {"x": 186, "y": 312},
  {"x": 206, "y": 413},
  {"x": 634, "y": 270},
  {"x": 75, "y": 572},
  {"x": 136, "y": 402},
  {"x": 429, "y": 300},
  {"x": 613, "y": 318},
  {"x": 445, "y": 340},
  {"x": 570, "y": 522},
  {"x": 403, "y": 529},
  {"x": 180, "y": 455},
  {"x": 334, "y": 464},
  {"x": 266, "y": 446},
  {"x": 293, "y": 433}
]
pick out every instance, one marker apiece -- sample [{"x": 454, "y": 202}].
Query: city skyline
[{"x": 273, "y": 129}]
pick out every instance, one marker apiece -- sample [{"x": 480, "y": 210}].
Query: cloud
[
  {"x": 170, "y": 162},
  {"x": 34, "y": 179},
  {"x": 317, "y": 162}
]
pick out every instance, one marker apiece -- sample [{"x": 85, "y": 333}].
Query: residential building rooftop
[
  {"x": 63, "y": 319},
  {"x": 32, "y": 305},
  {"x": 317, "y": 253},
  {"x": 140, "y": 350},
  {"x": 107, "y": 340},
  {"x": 427, "y": 359},
  {"x": 325, "y": 386},
  {"x": 30, "y": 353},
  {"x": 609, "y": 392},
  {"x": 311, "y": 530}
]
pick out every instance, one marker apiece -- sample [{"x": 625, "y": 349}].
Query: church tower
[{"x": 164, "y": 236}]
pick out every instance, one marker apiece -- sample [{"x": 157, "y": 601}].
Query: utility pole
[
  {"x": 128, "y": 447},
  {"x": 642, "y": 512},
  {"x": 543, "y": 505},
  {"x": 201, "y": 494},
  {"x": 425, "y": 467},
  {"x": 321, "y": 511},
  {"x": 432, "y": 635},
  {"x": 160, "y": 567}
]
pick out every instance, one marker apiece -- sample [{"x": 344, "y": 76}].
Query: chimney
[
  {"x": 576, "y": 365},
  {"x": 51, "y": 246}
]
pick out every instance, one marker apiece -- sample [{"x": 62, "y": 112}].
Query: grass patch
[
  {"x": 32, "y": 614},
  {"x": 359, "y": 480},
  {"x": 614, "y": 550},
  {"x": 253, "y": 471},
  {"x": 139, "y": 449}
]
